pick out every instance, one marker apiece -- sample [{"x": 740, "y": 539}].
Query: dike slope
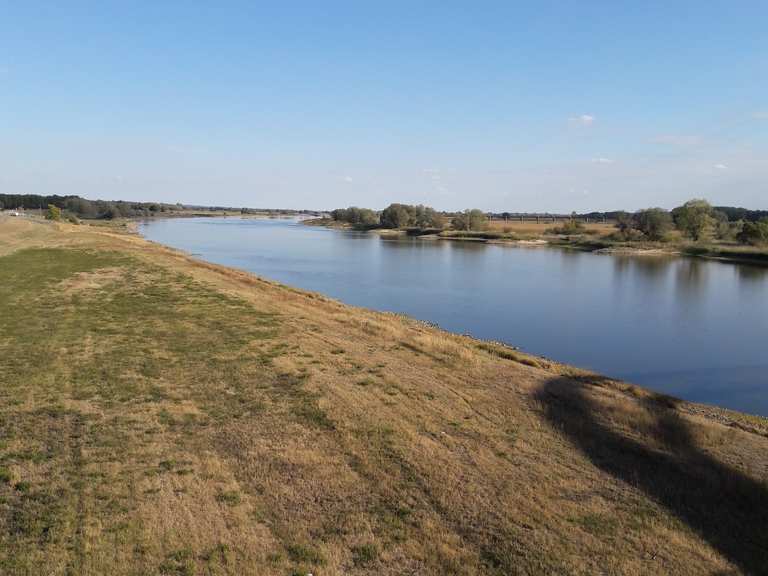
[{"x": 163, "y": 415}]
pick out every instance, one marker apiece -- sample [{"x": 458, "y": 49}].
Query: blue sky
[{"x": 554, "y": 106}]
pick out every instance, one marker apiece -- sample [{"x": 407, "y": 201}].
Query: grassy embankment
[{"x": 160, "y": 415}]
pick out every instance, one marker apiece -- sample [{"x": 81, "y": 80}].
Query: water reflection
[
  {"x": 652, "y": 268},
  {"x": 752, "y": 274},
  {"x": 691, "y": 278}
]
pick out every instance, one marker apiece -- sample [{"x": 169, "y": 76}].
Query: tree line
[
  {"x": 409, "y": 216},
  {"x": 83, "y": 208},
  {"x": 696, "y": 220}
]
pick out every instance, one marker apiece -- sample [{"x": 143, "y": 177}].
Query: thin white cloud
[
  {"x": 720, "y": 167},
  {"x": 677, "y": 139},
  {"x": 582, "y": 120},
  {"x": 347, "y": 178},
  {"x": 436, "y": 177},
  {"x": 601, "y": 160},
  {"x": 760, "y": 115}
]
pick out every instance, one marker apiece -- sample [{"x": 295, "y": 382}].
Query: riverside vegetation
[
  {"x": 162, "y": 415},
  {"x": 75, "y": 208},
  {"x": 695, "y": 228}
]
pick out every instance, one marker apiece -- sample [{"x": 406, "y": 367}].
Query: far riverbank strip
[{"x": 583, "y": 242}]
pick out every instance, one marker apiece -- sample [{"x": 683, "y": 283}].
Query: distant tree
[
  {"x": 723, "y": 228},
  {"x": 694, "y": 219},
  {"x": 53, "y": 213},
  {"x": 470, "y": 220},
  {"x": 356, "y": 216},
  {"x": 339, "y": 214},
  {"x": 1, "y": 204},
  {"x": 735, "y": 214},
  {"x": 654, "y": 223},
  {"x": 754, "y": 233},
  {"x": 624, "y": 223},
  {"x": 506, "y": 216},
  {"x": 395, "y": 216},
  {"x": 111, "y": 212},
  {"x": 366, "y": 217},
  {"x": 424, "y": 217}
]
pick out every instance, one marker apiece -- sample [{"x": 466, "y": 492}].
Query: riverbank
[
  {"x": 166, "y": 415},
  {"x": 596, "y": 241}
]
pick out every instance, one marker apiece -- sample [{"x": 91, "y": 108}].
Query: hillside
[{"x": 162, "y": 415}]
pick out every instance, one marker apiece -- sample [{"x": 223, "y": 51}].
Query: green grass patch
[
  {"x": 364, "y": 555},
  {"x": 600, "y": 525},
  {"x": 305, "y": 554},
  {"x": 228, "y": 497},
  {"x": 509, "y": 354}
]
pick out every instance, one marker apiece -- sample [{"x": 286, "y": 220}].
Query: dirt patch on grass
[{"x": 90, "y": 280}]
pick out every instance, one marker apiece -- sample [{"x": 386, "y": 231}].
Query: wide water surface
[{"x": 693, "y": 328}]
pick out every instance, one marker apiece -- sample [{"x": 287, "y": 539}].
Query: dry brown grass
[
  {"x": 179, "y": 417},
  {"x": 534, "y": 229}
]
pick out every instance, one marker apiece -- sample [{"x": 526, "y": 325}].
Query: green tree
[
  {"x": 425, "y": 217},
  {"x": 754, "y": 233},
  {"x": 654, "y": 223},
  {"x": 470, "y": 220},
  {"x": 694, "y": 219},
  {"x": 356, "y": 216},
  {"x": 111, "y": 212},
  {"x": 395, "y": 216},
  {"x": 723, "y": 228},
  {"x": 366, "y": 217},
  {"x": 53, "y": 213}
]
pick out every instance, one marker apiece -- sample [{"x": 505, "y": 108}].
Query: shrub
[
  {"x": 568, "y": 227},
  {"x": 54, "y": 213},
  {"x": 754, "y": 233}
]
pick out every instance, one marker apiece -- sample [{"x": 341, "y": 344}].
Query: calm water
[{"x": 692, "y": 328}]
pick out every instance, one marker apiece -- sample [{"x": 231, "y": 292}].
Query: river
[{"x": 693, "y": 328}]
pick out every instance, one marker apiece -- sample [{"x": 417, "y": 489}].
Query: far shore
[{"x": 594, "y": 240}]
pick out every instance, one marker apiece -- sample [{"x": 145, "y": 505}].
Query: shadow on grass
[{"x": 720, "y": 503}]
